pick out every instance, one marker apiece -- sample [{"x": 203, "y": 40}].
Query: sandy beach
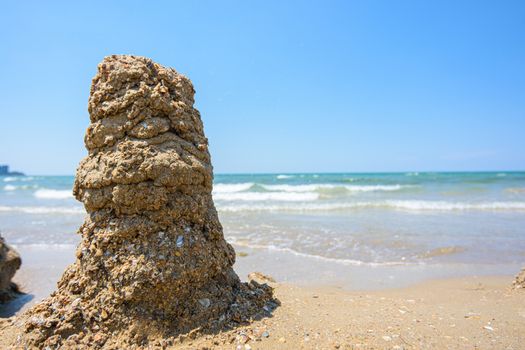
[
  {"x": 407, "y": 313},
  {"x": 262, "y": 175},
  {"x": 469, "y": 312}
]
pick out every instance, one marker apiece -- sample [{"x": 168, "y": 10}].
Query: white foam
[
  {"x": 347, "y": 262},
  {"x": 445, "y": 206},
  {"x": 10, "y": 179},
  {"x": 231, "y": 188},
  {"x": 44, "y": 210},
  {"x": 266, "y": 196},
  {"x": 44, "y": 246},
  {"x": 245, "y": 187},
  {"x": 53, "y": 194},
  {"x": 405, "y": 205},
  {"x": 21, "y": 187},
  {"x": 282, "y": 177},
  {"x": 319, "y": 187},
  {"x": 297, "y": 188}
]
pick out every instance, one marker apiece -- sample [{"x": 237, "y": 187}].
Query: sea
[{"x": 441, "y": 220}]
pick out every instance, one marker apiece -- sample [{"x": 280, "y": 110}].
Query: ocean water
[{"x": 379, "y": 219}]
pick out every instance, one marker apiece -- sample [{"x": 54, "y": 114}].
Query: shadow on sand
[{"x": 11, "y": 307}]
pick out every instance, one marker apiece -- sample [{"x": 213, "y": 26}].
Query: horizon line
[{"x": 329, "y": 172}]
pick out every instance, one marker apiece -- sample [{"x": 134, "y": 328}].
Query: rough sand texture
[
  {"x": 153, "y": 262},
  {"x": 467, "y": 313}
]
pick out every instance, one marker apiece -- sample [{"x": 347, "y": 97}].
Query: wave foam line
[
  {"x": 267, "y": 196},
  {"x": 347, "y": 262},
  {"x": 247, "y": 186},
  {"x": 20, "y": 187},
  {"x": 320, "y": 187},
  {"x": 53, "y": 194},
  {"x": 407, "y": 205},
  {"x": 44, "y": 210},
  {"x": 44, "y": 246},
  {"x": 232, "y": 188}
]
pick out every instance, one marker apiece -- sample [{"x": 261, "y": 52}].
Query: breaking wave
[
  {"x": 405, "y": 205},
  {"x": 347, "y": 262},
  {"x": 53, "y": 194},
  {"x": 231, "y": 188},
  {"x": 250, "y": 191},
  {"x": 266, "y": 196},
  {"x": 43, "y": 210},
  {"x": 321, "y": 187}
]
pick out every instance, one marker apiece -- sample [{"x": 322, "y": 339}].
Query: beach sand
[
  {"x": 458, "y": 313},
  {"x": 467, "y": 313}
]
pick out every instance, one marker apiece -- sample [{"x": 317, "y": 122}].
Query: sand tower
[{"x": 153, "y": 262}]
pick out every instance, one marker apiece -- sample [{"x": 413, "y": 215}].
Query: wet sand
[{"x": 357, "y": 311}]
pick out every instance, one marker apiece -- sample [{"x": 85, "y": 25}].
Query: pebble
[
  {"x": 265, "y": 334},
  {"x": 282, "y": 340},
  {"x": 489, "y": 328},
  {"x": 205, "y": 302},
  {"x": 104, "y": 314},
  {"x": 387, "y": 338}
]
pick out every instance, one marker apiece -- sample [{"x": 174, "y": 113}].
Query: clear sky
[{"x": 282, "y": 86}]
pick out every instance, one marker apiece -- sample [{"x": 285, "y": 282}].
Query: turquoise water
[{"x": 348, "y": 219}]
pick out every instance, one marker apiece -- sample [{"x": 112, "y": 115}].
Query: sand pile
[
  {"x": 519, "y": 281},
  {"x": 153, "y": 262},
  {"x": 9, "y": 262}
]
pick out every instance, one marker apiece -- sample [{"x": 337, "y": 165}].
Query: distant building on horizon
[{"x": 4, "y": 170}]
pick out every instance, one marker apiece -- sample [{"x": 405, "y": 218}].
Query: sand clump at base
[
  {"x": 519, "y": 280},
  {"x": 152, "y": 264},
  {"x": 9, "y": 263}
]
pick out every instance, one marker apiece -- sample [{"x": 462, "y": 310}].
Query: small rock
[
  {"x": 387, "y": 338},
  {"x": 489, "y": 328},
  {"x": 519, "y": 281},
  {"x": 260, "y": 277},
  {"x": 180, "y": 241},
  {"x": 104, "y": 314},
  {"x": 265, "y": 334},
  {"x": 205, "y": 302},
  {"x": 282, "y": 340}
]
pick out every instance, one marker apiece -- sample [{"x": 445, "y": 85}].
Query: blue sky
[{"x": 282, "y": 86}]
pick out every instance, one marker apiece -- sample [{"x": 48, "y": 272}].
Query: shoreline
[
  {"x": 472, "y": 312},
  {"x": 43, "y": 265}
]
